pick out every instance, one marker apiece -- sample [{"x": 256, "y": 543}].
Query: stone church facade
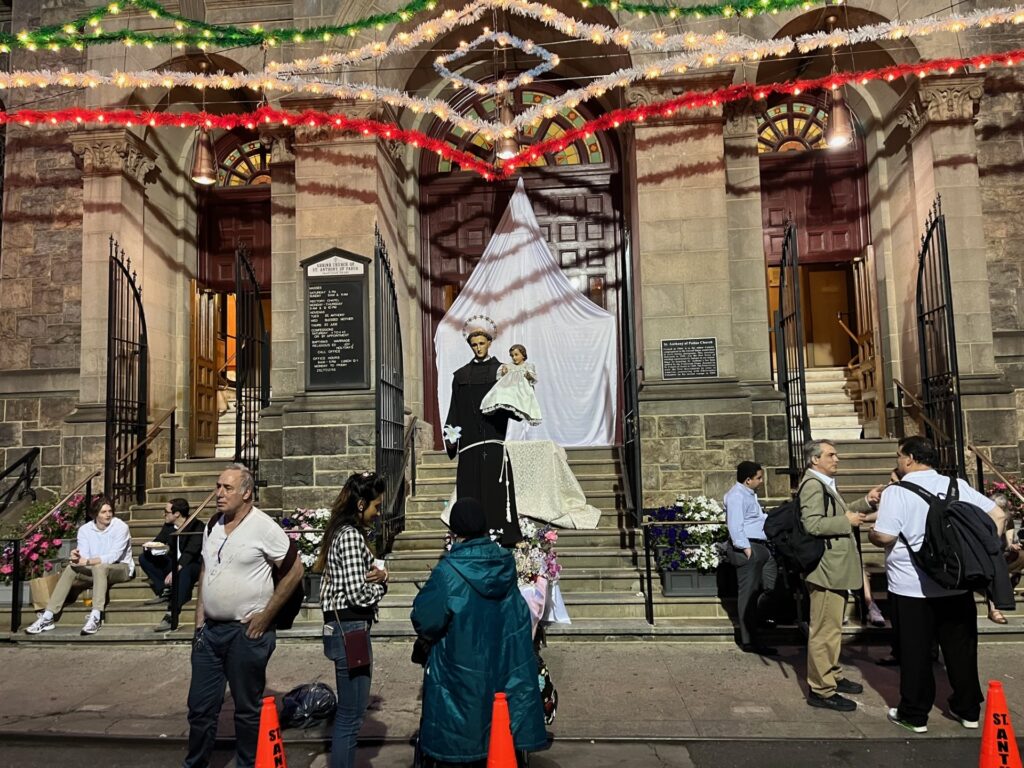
[{"x": 690, "y": 190}]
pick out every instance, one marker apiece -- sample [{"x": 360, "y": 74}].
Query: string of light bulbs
[{"x": 663, "y": 109}]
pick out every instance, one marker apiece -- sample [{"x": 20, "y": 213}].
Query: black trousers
[
  {"x": 753, "y": 575},
  {"x": 158, "y": 566},
  {"x": 953, "y": 622}
]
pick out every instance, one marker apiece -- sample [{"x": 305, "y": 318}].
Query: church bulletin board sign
[
  {"x": 689, "y": 358},
  {"x": 337, "y": 321}
]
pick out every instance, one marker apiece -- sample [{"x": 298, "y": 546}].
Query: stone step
[
  {"x": 430, "y": 540},
  {"x": 835, "y": 433},
  {"x": 870, "y": 461},
  {"x": 430, "y": 519},
  {"x": 829, "y": 397},
  {"x": 582, "y": 467},
  {"x": 443, "y": 487},
  {"x": 833, "y": 421},
  {"x": 825, "y": 374},
  {"x": 594, "y": 453},
  {"x": 573, "y": 559},
  {"x": 213, "y": 465},
  {"x": 180, "y": 479},
  {"x": 620, "y": 580},
  {"x": 817, "y": 411},
  {"x": 865, "y": 447},
  {"x": 193, "y": 494}
]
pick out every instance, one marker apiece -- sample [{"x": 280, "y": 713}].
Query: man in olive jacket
[
  {"x": 826, "y": 514},
  {"x": 477, "y": 623}
]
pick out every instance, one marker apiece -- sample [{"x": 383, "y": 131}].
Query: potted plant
[
  {"x": 305, "y": 527},
  {"x": 688, "y": 556},
  {"x": 46, "y": 546}
]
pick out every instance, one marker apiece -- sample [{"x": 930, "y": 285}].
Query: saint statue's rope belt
[{"x": 502, "y": 476}]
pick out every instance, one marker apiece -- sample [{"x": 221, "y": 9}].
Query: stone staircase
[
  {"x": 831, "y": 404},
  {"x": 226, "y": 425},
  {"x": 600, "y": 580}
]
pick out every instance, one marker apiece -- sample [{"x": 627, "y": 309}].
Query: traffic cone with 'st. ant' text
[
  {"x": 501, "y": 752},
  {"x": 998, "y": 743},
  {"x": 270, "y": 747}
]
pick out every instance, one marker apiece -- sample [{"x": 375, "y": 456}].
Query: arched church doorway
[
  {"x": 576, "y": 193},
  {"x": 823, "y": 190},
  {"x": 232, "y": 213}
]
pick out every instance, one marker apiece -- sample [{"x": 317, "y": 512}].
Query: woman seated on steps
[{"x": 103, "y": 557}]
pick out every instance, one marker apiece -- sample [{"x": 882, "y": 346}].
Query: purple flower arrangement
[{"x": 42, "y": 547}]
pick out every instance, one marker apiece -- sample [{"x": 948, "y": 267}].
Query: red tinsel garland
[{"x": 468, "y": 161}]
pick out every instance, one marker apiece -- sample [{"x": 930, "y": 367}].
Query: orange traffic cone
[
  {"x": 501, "y": 752},
  {"x": 998, "y": 743},
  {"x": 270, "y": 747}
]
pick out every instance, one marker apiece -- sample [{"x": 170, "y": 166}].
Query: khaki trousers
[
  {"x": 824, "y": 639},
  {"x": 78, "y": 577}
]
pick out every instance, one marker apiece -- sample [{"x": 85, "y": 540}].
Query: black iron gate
[
  {"x": 391, "y": 449},
  {"x": 124, "y": 465},
  {"x": 936, "y": 343},
  {"x": 789, "y": 354},
  {"x": 631, "y": 373},
  {"x": 252, "y": 367}
]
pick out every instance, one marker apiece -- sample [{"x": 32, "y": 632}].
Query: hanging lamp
[
  {"x": 508, "y": 147},
  {"x": 839, "y": 131},
  {"x": 204, "y": 167}
]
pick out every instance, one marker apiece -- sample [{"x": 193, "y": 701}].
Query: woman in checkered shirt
[{"x": 352, "y": 586}]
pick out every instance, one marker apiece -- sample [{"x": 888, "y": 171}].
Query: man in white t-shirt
[
  {"x": 235, "y": 610},
  {"x": 927, "y": 612}
]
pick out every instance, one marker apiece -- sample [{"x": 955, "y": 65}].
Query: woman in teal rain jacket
[{"x": 477, "y": 623}]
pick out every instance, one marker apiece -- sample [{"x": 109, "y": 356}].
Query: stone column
[
  {"x": 693, "y": 431},
  {"x": 115, "y": 164},
  {"x": 327, "y": 198},
  {"x": 943, "y": 150}
]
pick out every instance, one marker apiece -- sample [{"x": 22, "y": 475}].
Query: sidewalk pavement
[{"x": 607, "y": 691}]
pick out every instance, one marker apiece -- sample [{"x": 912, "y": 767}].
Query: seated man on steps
[
  {"x": 103, "y": 557},
  {"x": 155, "y": 559}
]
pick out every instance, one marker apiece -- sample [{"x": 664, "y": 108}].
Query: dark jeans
[
  {"x": 222, "y": 652},
  {"x": 158, "y": 566},
  {"x": 953, "y": 622},
  {"x": 353, "y": 693}
]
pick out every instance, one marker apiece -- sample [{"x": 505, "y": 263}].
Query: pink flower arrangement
[{"x": 38, "y": 550}]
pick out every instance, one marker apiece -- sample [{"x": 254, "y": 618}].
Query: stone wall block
[
  {"x": 759, "y": 427},
  {"x": 22, "y": 410},
  {"x": 778, "y": 428},
  {"x": 297, "y": 471},
  {"x": 10, "y": 434},
  {"x": 648, "y": 426},
  {"x": 679, "y": 426},
  {"x": 705, "y": 461},
  {"x": 995, "y": 427},
  {"x": 689, "y": 482},
  {"x": 729, "y": 425},
  {"x": 37, "y": 438},
  {"x": 362, "y": 435},
  {"x": 92, "y": 450},
  {"x": 660, "y": 451},
  {"x": 310, "y": 441},
  {"x": 54, "y": 410}
]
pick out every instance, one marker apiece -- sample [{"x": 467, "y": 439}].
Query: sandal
[{"x": 996, "y": 617}]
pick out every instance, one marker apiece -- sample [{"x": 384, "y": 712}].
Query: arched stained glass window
[
  {"x": 580, "y": 152},
  {"x": 248, "y": 165},
  {"x": 792, "y": 126}
]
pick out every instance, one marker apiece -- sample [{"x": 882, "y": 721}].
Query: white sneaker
[
  {"x": 971, "y": 725},
  {"x": 40, "y": 625},
  {"x": 875, "y": 617},
  {"x": 92, "y": 625},
  {"x": 894, "y": 717}
]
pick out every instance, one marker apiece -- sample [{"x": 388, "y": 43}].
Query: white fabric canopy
[{"x": 571, "y": 340}]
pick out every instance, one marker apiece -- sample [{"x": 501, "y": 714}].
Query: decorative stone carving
[
  {"x": 942, "y": 100},
  {"x": 955, "y": 101},
  {"x": 107, "y": 153},
  {"x": 647, "y": 93},
  {"x": 741, "y": 119},
  {"x": 281, "y": 142}
]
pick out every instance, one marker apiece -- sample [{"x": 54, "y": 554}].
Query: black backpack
[
  {"x": 286, "y": 615},
  {"x": 941, "y": 555},
  {"x": 799, "y": 551}
]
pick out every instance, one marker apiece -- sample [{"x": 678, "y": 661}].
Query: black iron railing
[
  {"x": 24, "y": 471},
  {"x": 127, "y": 406},
  {"x": 789, "y": 355},
  {"x": 632, "y": 375},
  {"x": 936, "y": 346},
  {"x": 252, "y": 350},
  {"x": 394, "y": 441}
]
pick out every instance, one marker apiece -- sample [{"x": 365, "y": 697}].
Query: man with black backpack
[{"x": 940, "y": 544}]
